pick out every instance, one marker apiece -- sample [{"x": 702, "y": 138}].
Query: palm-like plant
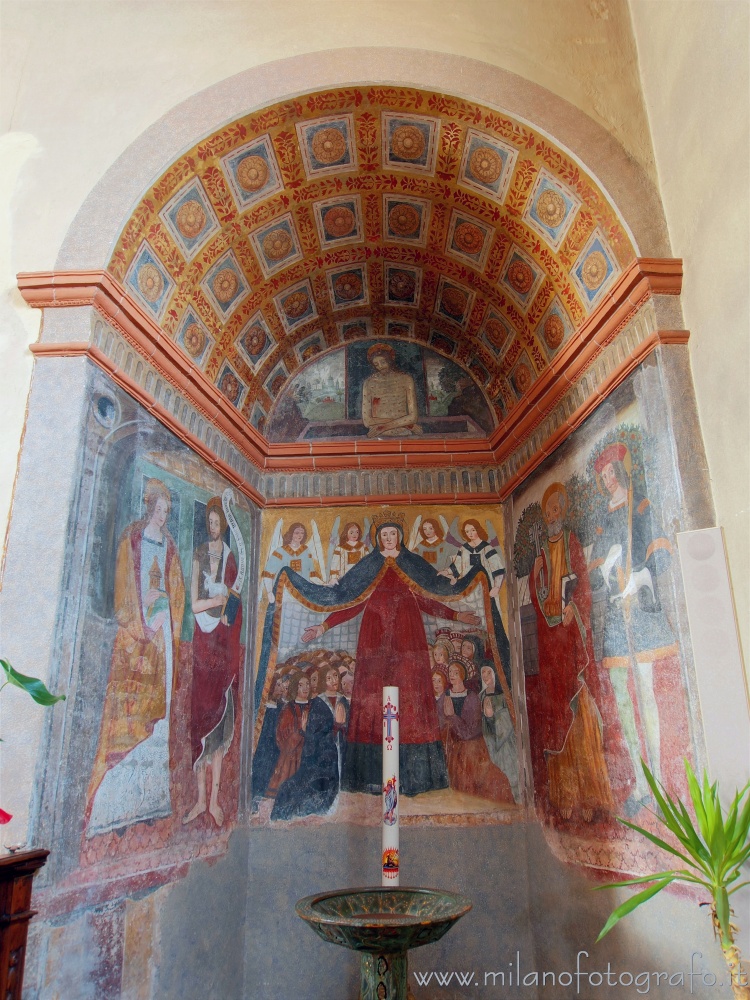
[
  {"x": 714, "y": 849},
  {"x": 33, "y": 687}
]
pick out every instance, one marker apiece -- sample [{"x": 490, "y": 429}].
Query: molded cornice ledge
[{"x": 645, "y": 278}]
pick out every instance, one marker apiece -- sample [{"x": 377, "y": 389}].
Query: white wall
[
  {"x": 695, "y": 65},
  {"x": 80, "y": 80}
]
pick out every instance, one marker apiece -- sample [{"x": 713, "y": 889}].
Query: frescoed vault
[{"x": 378, "y": 204}]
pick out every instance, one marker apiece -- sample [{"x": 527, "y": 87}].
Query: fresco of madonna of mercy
[
  {"x": 388, "y": 596},
  {"x": 605, "y": 681}
]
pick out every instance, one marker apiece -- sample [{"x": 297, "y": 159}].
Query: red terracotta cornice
[
  {"x": 640, "y": 281},
  {"x": 609, "y": 385}
]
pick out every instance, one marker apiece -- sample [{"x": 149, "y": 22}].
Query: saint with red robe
[
  {"x": 392, "y": 650},
  {"x": 565, "y": 724}
]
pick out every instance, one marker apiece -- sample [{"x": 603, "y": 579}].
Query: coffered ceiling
[{"x": 371, "y": 213}]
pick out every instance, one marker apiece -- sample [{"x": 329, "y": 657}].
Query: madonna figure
[{"x": 392, "y": 650}]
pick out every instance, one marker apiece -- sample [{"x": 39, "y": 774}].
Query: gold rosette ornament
[
  {"x": 594, "y": 270},
  {"x": 486, "y": 164},
  {"x": 191, "y": 218},
  {"x": 348, "y": 286},
  {"x": 252, "y": 173},
  {"x": 296, "y": 304},
  {"x": 522, "y": 378},
  {"x": 407, "y": 142},
  {"x": 230, "y": 386},
  {"x": 328, "y": 145},
  {"x": 401, "y": 285},
  {"x": 404, "y": 220},
  {"x": 554, "y": 331},
  {"x": 225, "y": 285},
  {"x": 454, "y": 302},
  {"x": 520, "y": 276},
  {"x": 339, "y": 221},
  {"x": 469, "y": 238},
  {"x": 550, "y": 207},
  {"x": 150, "y": 282},
  {"x": 496, "y": 333},
  {"x": 255, "y": 340},
  {"x": 277, "y": 244},
  {"x": 194, "y": 340}
]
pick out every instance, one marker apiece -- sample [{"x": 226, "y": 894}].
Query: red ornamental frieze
[
  {"x": 540, "y": 362},
  {"x": 368, "y": 141},
  {"x": 334, "y": 100},
  {"x": 541, "y": 300},
  {"x": 213, "y": 180},
  {"x": 165, "y": 248},
  {"x": 455, "y": 108},
  {"x": 518, "y": 195},
  {"x": 287, "y": 111},
  {"x": 576, "y": 239},
  {"x": 400, "y": 98},
  {"x": 372, "y": 216},
  {"x": 511, "y": 356},
  {"x": 233, "y": 135},
  {"x": 316, "y": 190},
  {"x": 182, "y": 171},
  {"x": 375, "y": 280},
  {"x": 505, "y": 128}
]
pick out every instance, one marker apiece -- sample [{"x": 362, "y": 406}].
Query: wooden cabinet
[{"x": 16, "y": 874}]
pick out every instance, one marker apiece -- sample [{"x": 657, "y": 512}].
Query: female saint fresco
[{"x": 130, "y": 778}]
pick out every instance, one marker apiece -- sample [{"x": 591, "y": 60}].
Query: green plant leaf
[
  {"x": 691, "y": 862},
  {"x": 682, "y": 873},
  {"x": 31, "y": 685},
  {"x": 721, "y": 900},
  {"x": 631, "y": 904},
  {"x": 671, "y": 816},
  {"x": 697, "y": 799},
  {"x": 742, "y": 827},
  {"x": 693, "y": 840}
]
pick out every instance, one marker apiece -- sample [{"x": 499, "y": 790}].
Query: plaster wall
[
  {"x": 694, "y": 67},
  {"x": 81, "y": 80}
]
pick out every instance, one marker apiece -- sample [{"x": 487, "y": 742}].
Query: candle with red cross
[{"x": 390, "y": 787}]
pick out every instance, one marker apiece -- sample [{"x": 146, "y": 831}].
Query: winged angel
[{"x": 377, "y": 611}]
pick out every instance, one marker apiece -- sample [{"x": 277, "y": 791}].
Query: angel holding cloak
[
  {"x": 428, "y": 540},
  {"x": 478, "y": 552},
  {"x": 291, "y": 550},
  {"x": 378, "y": 605},
  {"x": 346, "y": 550}
]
